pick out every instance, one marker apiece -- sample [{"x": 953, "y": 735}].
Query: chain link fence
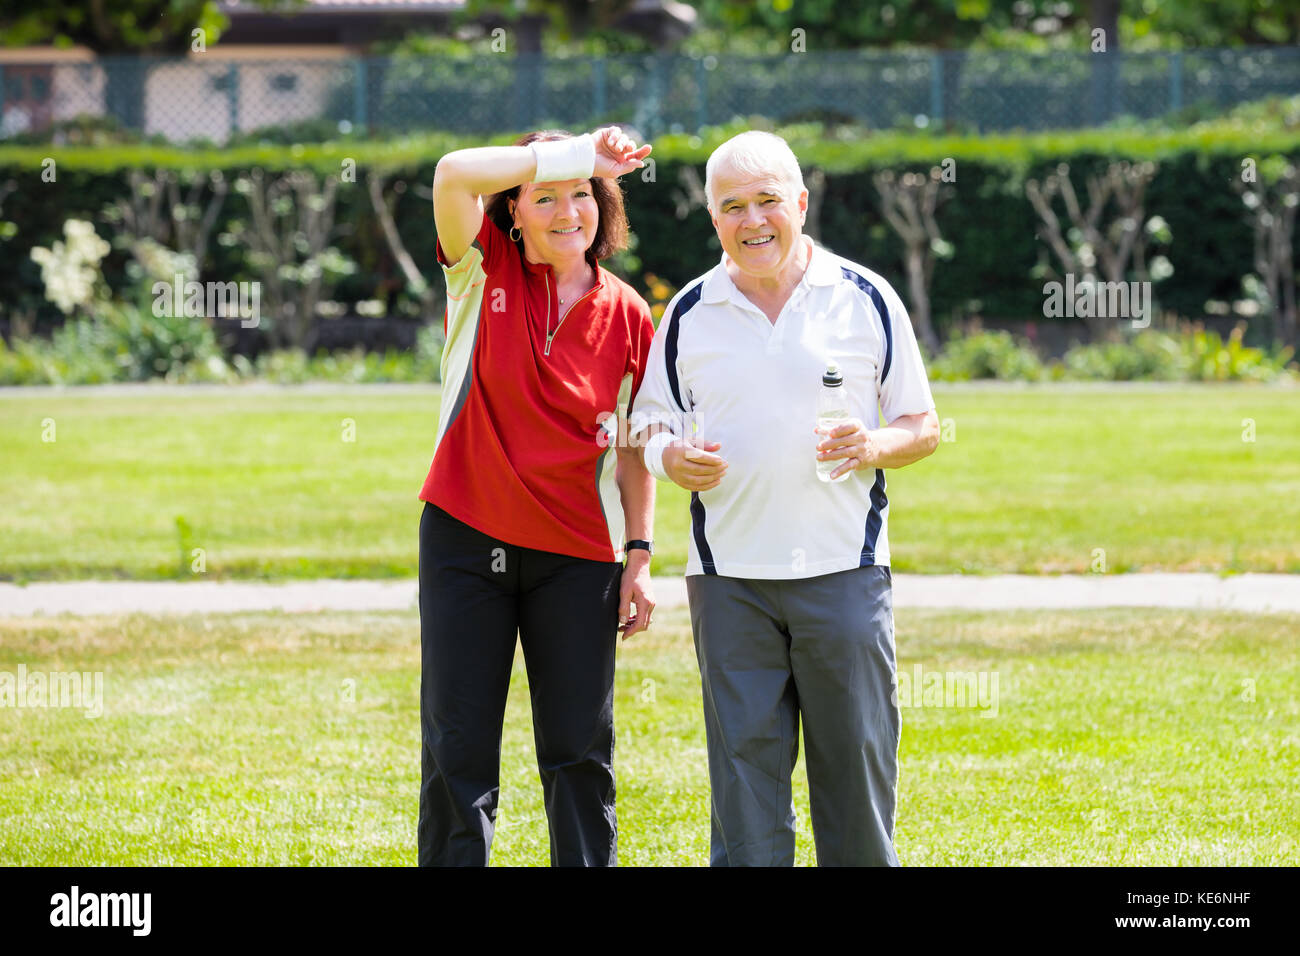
[{"x": 205, "y": 98}]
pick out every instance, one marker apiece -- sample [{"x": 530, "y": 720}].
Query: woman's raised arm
[
  {"x": 461, "y": 181},
  {"x": 465, "y": 176}
]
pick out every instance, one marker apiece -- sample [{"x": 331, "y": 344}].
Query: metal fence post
[
  {"x": 1116, "y": 91},
  {"x": 232, "y": 97},
  {"x": 359, "y": 120},
  {"x": 657, "y": 91},
  {"x": 936, "y": 89},
  {"x": 540, "y": 103},
  {"x": 1176, "y": 81},
  {"x": 598, "y": 88},
  {"x": 529, "y": 100},
  {"x": 701, "y": 95}
]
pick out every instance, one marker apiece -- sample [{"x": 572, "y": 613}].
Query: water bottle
[{"x": 832, "y": 409}]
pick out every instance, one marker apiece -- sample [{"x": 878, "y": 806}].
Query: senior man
[{"x": 788, "y": 575}]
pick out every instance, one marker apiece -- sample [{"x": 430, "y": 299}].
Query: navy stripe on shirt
[
  {"x": 874, "y": 520},
  {"x": 863, "y": 283},
  {"x": 684, "y": 305},
  {"x": 697, "y": 529}
]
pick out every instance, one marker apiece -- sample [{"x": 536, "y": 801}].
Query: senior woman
[{"x": 527, "y": 514}]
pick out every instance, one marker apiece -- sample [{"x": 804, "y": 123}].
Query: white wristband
[
  {"x": 563, "y": 159},
  {"x": 654, "y": 454}
]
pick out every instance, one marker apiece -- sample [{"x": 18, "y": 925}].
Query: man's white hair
[{"x": 754, "y": 153}]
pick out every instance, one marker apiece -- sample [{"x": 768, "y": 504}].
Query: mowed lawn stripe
[
  {"x": 1113, "y": 737},
  {"x": 323, "y": 483}
]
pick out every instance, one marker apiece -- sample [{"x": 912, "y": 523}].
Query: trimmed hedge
[{"x": 989, "y": 221}]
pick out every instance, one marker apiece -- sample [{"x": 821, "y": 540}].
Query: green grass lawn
[
  {"x": 1120, "y": 737},
  {"x": 1034, "y": 479}
]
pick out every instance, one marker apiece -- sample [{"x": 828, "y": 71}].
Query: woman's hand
[
  {"x": 617, "y": 153},
  {"x": 852, "y": 440},
  {"x": 635, "y": 591}
]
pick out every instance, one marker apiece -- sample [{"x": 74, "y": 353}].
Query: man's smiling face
[{"x": 759, "y": 220}]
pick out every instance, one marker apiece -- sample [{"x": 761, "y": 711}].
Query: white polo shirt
[{"x": 718, "y": 365}]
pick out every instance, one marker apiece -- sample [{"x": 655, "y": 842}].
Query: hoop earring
[{"x": 513, "y": 237}]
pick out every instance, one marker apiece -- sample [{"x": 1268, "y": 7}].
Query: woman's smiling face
[
  {"x": 759, "y": 219},
  {"x": 558, "y": 220}
]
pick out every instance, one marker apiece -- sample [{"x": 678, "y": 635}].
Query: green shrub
[
  {"x": 282, "y": 366},
  {"x": 420, "y": 365},
  {"x": 19, "y": 366},
  {"x": 1148, "y": 355},
  {"x": 120, "y": 344},
  {"x": 77, "y": 354},
  {"x": 96, "y": 351},
  {"x": 1211, "y": 359},
  {"x": 146, "y": 346},
  {"x": 213, "y": 370},
  {"x": 1190, "y": 354},
  {"x": 993, "y": 354}
]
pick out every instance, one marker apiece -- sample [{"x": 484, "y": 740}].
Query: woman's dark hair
[{"x": 611, "y": 230}]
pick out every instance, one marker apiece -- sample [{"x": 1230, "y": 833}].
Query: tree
[
  {"x": 845, "y": 24},
  {"x": 909, "y": 202},
  {"x": 1090, "y": 242},
  {"x": 289, "y": 242},
  {"x": 156, "y": 213},
  {"x": 1272, "y": 196},
  {"x": 955, "y": 24},
  {"x": 430, "y": 301},
  {"x": 1221, "y": 23}
]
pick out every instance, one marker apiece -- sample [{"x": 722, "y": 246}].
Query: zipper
[{"x": 550, "y": 336}]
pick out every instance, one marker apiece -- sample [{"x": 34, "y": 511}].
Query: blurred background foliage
[{"x": 372, "y": 322}]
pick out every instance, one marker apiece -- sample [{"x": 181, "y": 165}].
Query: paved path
[{"x": 1244, "y": 592}]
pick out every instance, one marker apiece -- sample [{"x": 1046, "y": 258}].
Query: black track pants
[{"x": 476, "y": 593}]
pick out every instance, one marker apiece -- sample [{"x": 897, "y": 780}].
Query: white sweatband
[
  {"x": 654, "y": 454},
  {"x": 563, "y": 159}
]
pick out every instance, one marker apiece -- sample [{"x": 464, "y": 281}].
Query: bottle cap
[{"x": 832, "y": 376}]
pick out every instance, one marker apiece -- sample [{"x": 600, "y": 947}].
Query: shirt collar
[{"x": 821, "y": 270}]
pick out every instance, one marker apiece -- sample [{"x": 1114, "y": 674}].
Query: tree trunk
[{"x": 916, "y": 284}]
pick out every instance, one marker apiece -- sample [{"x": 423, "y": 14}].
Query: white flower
[
  {"x": 160, "y": 262},
  {"x": 84, "y": 242},
  {"x": 70, "y": 270}
]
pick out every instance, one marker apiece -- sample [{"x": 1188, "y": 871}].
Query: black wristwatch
[{"x": 637, "y": 543}]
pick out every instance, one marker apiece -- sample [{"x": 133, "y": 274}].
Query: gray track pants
[{"x": 773, "y": 653}]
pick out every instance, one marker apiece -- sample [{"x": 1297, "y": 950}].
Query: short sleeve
[
  {"x": 643, "y": 333},
  {"x": 486, "y": 256},
  {"x": 487, "y": 253},
  {"x": 660, "y": 398},
  {"x": 903, "y": 384}
]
